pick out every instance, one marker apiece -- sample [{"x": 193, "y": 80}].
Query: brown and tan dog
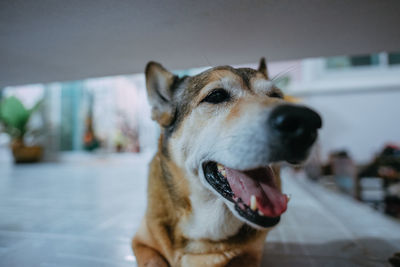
[{"x": 214, "y": 185}]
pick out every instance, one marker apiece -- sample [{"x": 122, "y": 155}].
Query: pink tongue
[{"x": 260, "y": 183}]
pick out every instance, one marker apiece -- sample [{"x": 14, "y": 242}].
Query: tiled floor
[
  {"x": 84, "y": 212},
  {"x": 71, "y": 214}
]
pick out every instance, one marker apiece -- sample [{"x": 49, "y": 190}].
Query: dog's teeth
[
  {"x": 288, "y": 197},
  {"x": 260, "y": 213},
  {"x": 221, "y": 170},
  {"x": 253, "y": 202}
]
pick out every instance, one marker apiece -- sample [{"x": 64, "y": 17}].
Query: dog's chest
[{"x": 210, "y": 219}]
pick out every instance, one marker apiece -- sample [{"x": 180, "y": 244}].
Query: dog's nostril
[
  {"x": 287, "y": 124},
  {"x": 294, "y": 121}
]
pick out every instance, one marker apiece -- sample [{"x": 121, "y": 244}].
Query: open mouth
[{"x": 254, "y": 192}]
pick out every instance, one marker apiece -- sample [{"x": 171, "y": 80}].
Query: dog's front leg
[{"x": 146, "y": 256}]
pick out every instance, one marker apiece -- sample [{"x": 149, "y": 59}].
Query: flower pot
[{"x": 26, "y": 154}]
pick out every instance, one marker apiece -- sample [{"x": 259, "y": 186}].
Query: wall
[{"x": 359, "y": 121}]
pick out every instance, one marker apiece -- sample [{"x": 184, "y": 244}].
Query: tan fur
[
  {"x": 160, "y": 240},
  {"x": 244, "y": 104}
]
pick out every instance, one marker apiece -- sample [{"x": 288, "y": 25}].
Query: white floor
[
  {"x": 325, "y": 228},
  {"x": 83, "y": 212}
]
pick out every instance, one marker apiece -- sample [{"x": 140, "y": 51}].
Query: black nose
[{"x": 295, "y": 128}]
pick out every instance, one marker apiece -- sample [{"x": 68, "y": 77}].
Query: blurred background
[{"x": 76, "y": 134}]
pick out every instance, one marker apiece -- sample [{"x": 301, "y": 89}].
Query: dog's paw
[{"x": 395, "y": 260}]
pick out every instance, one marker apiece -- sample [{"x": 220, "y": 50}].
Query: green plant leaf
[{"x": 14, "y": 116}]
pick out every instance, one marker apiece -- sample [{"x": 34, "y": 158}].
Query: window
[
  {"x": 366, "y": 61},
  {"x": 394, "y": 58}
]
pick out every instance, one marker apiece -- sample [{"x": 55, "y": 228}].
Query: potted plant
[{"x": 14, "y": 117}]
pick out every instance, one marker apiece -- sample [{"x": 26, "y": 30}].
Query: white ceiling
[{"x": 57, "y": 40}]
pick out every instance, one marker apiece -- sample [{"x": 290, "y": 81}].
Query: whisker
[
  {"x": 207, "y": 60},
  {"x": 280, "y": 74}
]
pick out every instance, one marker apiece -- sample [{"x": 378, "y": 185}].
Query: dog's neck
[
  {"x": 200, "y": 213},
  {"x": 210, "y": 218}
]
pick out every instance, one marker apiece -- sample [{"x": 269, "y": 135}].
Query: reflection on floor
[
  {"x": 71, "y": 214},
  {"x": 326, "y": 228},
  {"x": 84, "y": 214}
]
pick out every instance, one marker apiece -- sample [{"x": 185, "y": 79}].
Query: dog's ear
[
  {"x": 158, "y": 83},
  {"x": 262, "y": 67}
]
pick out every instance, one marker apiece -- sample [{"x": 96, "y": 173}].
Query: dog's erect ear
[
  {"x": 262, "y": 67},
  {"x": 158, "y": 83}
]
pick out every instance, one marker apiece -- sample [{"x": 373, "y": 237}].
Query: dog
[{"x": 214, "y": 185}]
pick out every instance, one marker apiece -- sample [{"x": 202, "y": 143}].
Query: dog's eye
[
  {"x": 217, "y": 96},
  {"x": 275, "y": 93}
]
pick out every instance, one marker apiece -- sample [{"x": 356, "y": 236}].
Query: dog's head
[{"x": 227, "y": 128}]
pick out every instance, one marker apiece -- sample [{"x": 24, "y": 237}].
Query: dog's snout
[
  {"x": 295, "y": 127},
  {"x": 294, "y": 121}
]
